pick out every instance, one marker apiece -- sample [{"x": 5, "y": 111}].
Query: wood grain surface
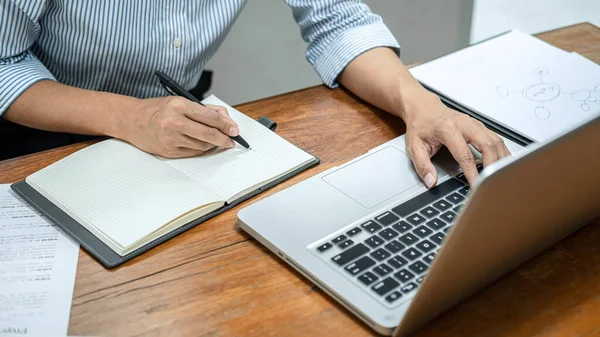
[{"x": 214, "y": 280}]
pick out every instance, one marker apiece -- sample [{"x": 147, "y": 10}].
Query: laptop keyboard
[{"x": 390, "y": 254}]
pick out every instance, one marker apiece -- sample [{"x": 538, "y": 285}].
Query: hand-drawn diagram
[{"x": 544, "y": 92}]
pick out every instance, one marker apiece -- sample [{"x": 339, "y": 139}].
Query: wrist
[
  {"x": 126, "y": 115},
  {"x": 409, "y": 100}
]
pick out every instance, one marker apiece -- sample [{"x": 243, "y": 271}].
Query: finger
[
  {"x": 223, "y": 112},
  {"x": 421, "y": 159},
  {"x": 212, "y": 118},
  {"x": 504, "y": 151},
  {"x": 207, "y": 134},
  {"x": 462, "y": 154},
  {"x": 180, "y": 152},
  {"x": 194, "y": 144},
  {"x": 184, "y": 152},
  {"x": 484, "y": 141}
]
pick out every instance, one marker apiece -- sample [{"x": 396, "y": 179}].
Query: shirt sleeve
[
  {"x": 19, "y": 68},
  {"x": 337, "y": 31}
]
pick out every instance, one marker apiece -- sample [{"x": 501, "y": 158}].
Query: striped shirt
[{"x": 116, "y": 45}]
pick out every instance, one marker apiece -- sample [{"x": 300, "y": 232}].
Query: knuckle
[
  {"x": 412, "y": 148},
  {"x": 466, "y": 156},
  {"x": 213, "y": 117},
  {"x": 493, "y": 142},
  {"x": 421, "y": 167},
  {"x": 205, "y": 146},
  {"x": 210, "y": 134},
  {"x": 447, "y": 125},
  {"x": 169, "y": 122},
  {"x": 168, "y": 153},
  {"x": 177, "y": 103}
]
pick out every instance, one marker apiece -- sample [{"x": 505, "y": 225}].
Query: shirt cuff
[
  {"x": 350, "y": 44},
  {"x": 18, "y": 74}
]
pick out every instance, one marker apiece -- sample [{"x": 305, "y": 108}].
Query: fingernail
[
  {"x": 232, "y": 145},
  {"x": 429, "y": 180},
  {"x": 233, "y": 131}
]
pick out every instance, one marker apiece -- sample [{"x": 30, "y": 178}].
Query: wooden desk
[{"x": 214, "y": 280}]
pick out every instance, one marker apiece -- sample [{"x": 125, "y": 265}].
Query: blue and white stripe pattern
[{"x": 115, "y": 45}]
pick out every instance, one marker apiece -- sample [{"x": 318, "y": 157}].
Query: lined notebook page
[
  {"x": 234, "y": 172},
  {"x": 125, "y": 193}
]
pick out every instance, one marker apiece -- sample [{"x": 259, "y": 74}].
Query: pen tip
[{"x": 249, "y": 148}]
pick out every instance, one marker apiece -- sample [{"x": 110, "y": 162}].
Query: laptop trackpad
[{"x": 375, "y": 178}]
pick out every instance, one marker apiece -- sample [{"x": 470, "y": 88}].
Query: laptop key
[
  {"x": 346, "y": 244},
  {"x": 437, "y": 237},
  {"x": 436, "y": 224},
  {"x": 464, "y": 190},
  {"x": 448, "y": 216},
  {"x": 455, "y": 198},
  {"x": 458, "y": 208},
  {"x": 354, "y": 231},
  {"x": 394, "y": 246},
  {"x": 420, "y": 279},
  {"x": 371, "y": 226},
  {"x": 380, "y": 254},
  {"x": 408, "y": 287},
  {"x": 393, "y": 296},
  {"x": 324, "y": 247},
  {"x": 383, "y": 269},
  {"x": 408, "y": 239},
  {"x": 429, "y": 258},
  {"x": 360, "y": 265},
  {"x": 429, "y": 212},
  {"x": 427, "y": 197},
  {"x": 368, "y": 278},
  {"x": 422, "y": 231},
  {"x": 411, "y": 254},
  {"x": 350, "y": 254},
  {"x": 387, "y": 218},
  {"x": 418, "y": 267},
  {"x": 384, "y": 286},
  {"x": 397, "y": 262},
  {"x": 425, "y": 246},
  {"x": 402, "y": 226},
  {"x": 442, "y": 205},
  {"x": 447, "y": 229},
  {"x": 415, "y": 219},
  {"x": 339, "y": 239},
  {"x": 374, "y": 241},
  {"x": 388, "y": 234},
  {"x": 404, "y": 275}
]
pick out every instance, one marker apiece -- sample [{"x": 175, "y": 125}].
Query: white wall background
[
  {"x": 263, "y": 54},
  {"x": 491, "y": 17}
]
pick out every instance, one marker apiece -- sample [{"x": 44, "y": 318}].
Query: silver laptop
[{"x": 396, "y": 254}]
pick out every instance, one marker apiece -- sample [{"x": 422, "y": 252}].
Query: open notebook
[
  {"x": 128, "y": 198},
  {"x": 527, "y": 87}
]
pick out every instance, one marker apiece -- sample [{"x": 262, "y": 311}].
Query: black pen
[{"x": 175, "y": 89}]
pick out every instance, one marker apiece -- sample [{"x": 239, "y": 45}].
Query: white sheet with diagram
[{"x": 520, "y": 82}]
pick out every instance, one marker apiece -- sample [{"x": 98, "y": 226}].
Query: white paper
[
  {"x": 37, "y": 271},
  {"x": 519, "y": 81}
]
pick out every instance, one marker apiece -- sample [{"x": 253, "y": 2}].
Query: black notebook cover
[{"x": 98, "y": 249}]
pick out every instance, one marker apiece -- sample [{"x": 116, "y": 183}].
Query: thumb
[{"x": 422, "y": 162}]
